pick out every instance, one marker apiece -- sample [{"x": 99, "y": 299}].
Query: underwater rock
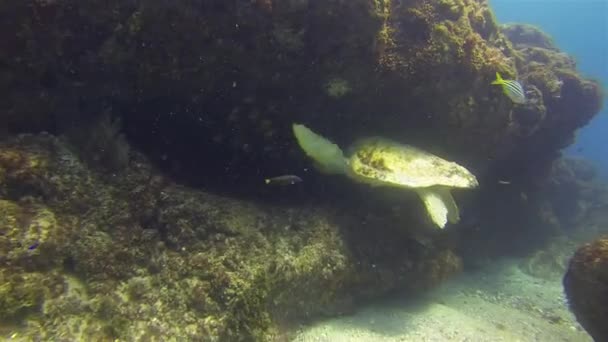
[
  {"x": 576, "y": 197},
  {"x": 562, "y": 100},
  {"x": 30, "y": 235},
  {"x": 586, "y": 286},
  {"x": 525, "y": 35},
  {"x": 542, "y": 224},
  {"x": 134, "y": 256},
  {"x": 551, "y": 261},
  {"x": 227, "y": 80}
]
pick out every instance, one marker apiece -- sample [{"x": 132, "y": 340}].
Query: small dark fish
[
  {"x": 283, "y": 180},
  {"x": 34, "y": 246},
  {"x": 511, "y": 88}
]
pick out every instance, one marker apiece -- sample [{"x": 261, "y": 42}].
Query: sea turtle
[{"x": 379, "y": 161}]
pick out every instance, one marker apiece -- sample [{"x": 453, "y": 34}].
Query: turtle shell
[{"x": 384, "y": 162}]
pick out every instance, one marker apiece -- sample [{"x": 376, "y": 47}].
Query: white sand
[{"x": 499, "y": 303}]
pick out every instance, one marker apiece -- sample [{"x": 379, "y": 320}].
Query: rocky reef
[
  {"x": 228, "y": 80},
  {"x": 561, "y": 100},
  {"x": 571, "y": 209},
  {"x": 105, "y": 233},
  {"x": 134, "y": 256},
  {"x": 543, "y": 223},
  {"x": 586, "y": 286}
]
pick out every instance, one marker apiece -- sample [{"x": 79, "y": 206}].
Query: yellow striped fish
[{"x": 512, "y": 89}]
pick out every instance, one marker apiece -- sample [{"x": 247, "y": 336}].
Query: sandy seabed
[{"x": 496, "y": 303}]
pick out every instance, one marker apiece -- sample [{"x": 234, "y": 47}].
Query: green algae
[{"x": 19, "y": 293}]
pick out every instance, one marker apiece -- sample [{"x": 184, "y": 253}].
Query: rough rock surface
[
  {"x": 207, "y": 90},
  {"x": 543, "y": 224},
  {"x": 227, "y": 79},
  {"x": 586, "y": 285},
  {"x": 131, "y": 255}
]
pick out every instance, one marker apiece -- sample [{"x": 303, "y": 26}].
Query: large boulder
[
  {"x": 212, "y": 80},
  {"x": 586, "y": 286},
  {"x": 133, "y": 256}
]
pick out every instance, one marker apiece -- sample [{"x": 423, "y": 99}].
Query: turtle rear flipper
[
  {"x": 440, "y": 205},
  {"x": 328, "y": 157},
  {"x": 450, "y": 203}
]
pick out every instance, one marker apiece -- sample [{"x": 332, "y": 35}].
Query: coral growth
[{"x": 586, "y": 286}]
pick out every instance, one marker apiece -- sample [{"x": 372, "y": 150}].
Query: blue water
[{"x": 580, "y": 28}]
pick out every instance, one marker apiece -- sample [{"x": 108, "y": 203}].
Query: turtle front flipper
[
  {"x": 450, "y": 203},
  {"x": 440, "y": 205},
  {"x": 328, "y": 157}
]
